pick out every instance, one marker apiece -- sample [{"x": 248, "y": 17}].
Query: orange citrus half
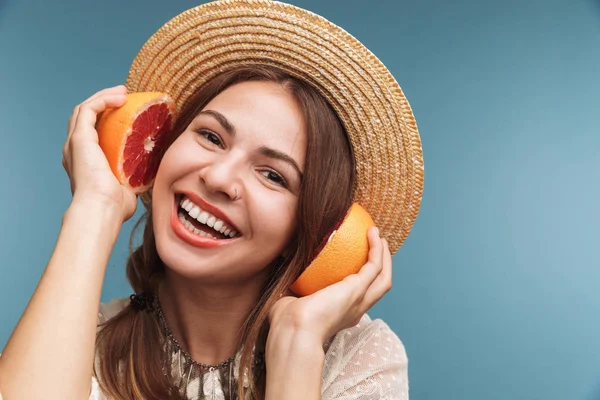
[
  {"x": 344, "y": 254},
  {"x": 133, "y": 137}
]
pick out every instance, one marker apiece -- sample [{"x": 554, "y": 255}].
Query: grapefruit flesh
[
  {"x": 133, "y": 137},
  {"x": 344, "y": 254}
]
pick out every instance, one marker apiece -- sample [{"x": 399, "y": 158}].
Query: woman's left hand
[{"x": 341, "y": 305}]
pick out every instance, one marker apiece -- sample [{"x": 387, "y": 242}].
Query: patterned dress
[{"x": 365, "y": 362}]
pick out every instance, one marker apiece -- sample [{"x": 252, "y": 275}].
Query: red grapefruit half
[{"x": 133, "y": 137}]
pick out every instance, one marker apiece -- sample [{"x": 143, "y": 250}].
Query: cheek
[
  {"x": 164, "y": 165},
  {"x": 274, "y": 218},
  {"x": 169, "y": 169},
  {"x": 173, "y": 164}
]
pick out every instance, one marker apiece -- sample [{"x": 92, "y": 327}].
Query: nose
[{"x": 223, "y": 176}]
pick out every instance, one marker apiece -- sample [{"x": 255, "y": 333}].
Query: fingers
[
  {"x": 360, "y": 282},
  {"x": 111, "y": 90},
  {"x": 88, "y": 112},
  {"x": 73, "y": 118},
  {"x": 357, "y": 293},
  {"x": 372, "y": 268},
  {"x": 119, "y": 90},
  {"x": 376, "y": 275},
  {"x": 383, "y": 283},
  {"x": 89, "y": 109}
]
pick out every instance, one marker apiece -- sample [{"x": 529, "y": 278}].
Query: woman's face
[{"x": 249, "y": 141}]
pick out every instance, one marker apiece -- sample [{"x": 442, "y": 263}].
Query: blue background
[{"x": 496, "y": 289}]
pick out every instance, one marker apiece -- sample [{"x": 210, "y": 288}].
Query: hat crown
[{"x": 212, "y": 38}]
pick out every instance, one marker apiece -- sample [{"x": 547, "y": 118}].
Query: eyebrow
[
  {"x": 272, "y": 153},
  {"x": 265, "y": 151},
  {"x": 221, "y": 120}
]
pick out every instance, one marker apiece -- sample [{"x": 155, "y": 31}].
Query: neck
[{"x": 206, "y": 320}]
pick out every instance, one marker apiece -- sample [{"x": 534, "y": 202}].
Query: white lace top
[{"x": 365, "y": 362}]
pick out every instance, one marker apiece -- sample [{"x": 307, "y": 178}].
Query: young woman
[{"x": 272, "y": 155}]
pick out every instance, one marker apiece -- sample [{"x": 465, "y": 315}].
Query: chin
[{"x": 211, "y": 267}]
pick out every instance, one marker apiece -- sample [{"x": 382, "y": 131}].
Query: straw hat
[{"x": 204, "y": 41}]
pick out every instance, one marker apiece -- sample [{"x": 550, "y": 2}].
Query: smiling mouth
[{"x": 201, "y": 222}]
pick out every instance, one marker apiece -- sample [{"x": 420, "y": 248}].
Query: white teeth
[
  {"x": 191, "y": 227},
  {"x": 204, "y": 217},
  {"x": 211, "y": 221},
  {"x": 194, "y": 212}
]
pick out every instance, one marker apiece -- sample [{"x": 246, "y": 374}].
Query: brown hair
[{"x": 131, "y": 361}]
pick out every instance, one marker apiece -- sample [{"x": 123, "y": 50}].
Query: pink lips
[{"x": 196, "y": 240}]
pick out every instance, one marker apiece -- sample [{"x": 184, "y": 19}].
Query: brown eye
[
  {"x": 275, "y": 177},
  {"x": 212, "y": 137}
]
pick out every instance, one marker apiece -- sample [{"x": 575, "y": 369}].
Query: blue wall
[{"x": 496, "y": 290}]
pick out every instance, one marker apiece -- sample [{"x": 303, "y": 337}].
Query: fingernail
[{"x": 377, "y": 231}]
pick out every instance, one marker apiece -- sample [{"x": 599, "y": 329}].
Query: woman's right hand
[
  {"x": 86, "y": 165},
  {"x": 55, "y": 337}
]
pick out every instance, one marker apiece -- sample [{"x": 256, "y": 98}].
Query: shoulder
[
  {"x": 368, "y": 357},
  {"x": 111, "y": 308},
  {"x": 372, "y": 336},
  {"x": 106, "y": 311}
]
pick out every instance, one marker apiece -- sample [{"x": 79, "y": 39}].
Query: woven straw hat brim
[{"x": 204, "y": 41}]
